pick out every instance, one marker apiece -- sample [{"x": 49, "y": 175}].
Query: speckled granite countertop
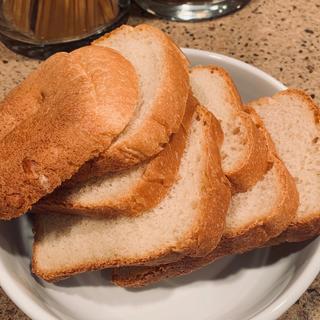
[{"x": 280, "y": 37}]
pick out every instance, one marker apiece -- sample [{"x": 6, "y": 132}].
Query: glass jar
[
  {"x": 38, "y": 28},
  {"x": 192, "y": 10}
]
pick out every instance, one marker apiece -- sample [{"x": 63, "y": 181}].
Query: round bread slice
[
  {"x": 82, "y": 105},
  {"x": 130, "y": 192},
  {"x": 164, "y": 88}
]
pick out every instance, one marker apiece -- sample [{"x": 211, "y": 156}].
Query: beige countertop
[{"x": 279, "y": 37}]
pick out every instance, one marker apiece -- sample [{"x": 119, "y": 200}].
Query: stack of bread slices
[{"x": 129, "y": 159}]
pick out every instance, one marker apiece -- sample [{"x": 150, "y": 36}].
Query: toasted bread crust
[
  {"x": 235, "y": 241},
  {"x": 158, "y": 176},
  {"x": 308, "y": 227},
  {"x": 69, "y": 127},
  {"x": 254, "y": 164},
  {"x": 24, "y": 100},
  {"x": 202, "y": 238},
  {"x": 301, "y": 230},
  {"x": 164, "y": 117}
]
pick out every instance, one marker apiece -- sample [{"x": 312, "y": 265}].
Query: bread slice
[
  {"x": 129, "y": 192},
  {"x": 164, "y": 88},
  {"x": 254, "y": 217},
  {"x": 292, "y": 119},
  {"x": 77, "y": 118},
  {"x": 68, "y": 244},
  {"x": 244, "y": 152}
]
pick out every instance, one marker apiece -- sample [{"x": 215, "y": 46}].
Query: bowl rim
[
  {"x": 240, "y": 64},
  {"x": 293, "y": 291}
]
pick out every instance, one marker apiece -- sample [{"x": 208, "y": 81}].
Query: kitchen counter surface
[{"x": 279, "y": 37}]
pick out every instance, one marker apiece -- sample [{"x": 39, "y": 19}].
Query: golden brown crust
[
  {"x": 235, "y": 241},
  {"x": 164, "y": 117},
  {"x": 140, "y": 276},
  {"x": 77, "y": 118},
  {"x": 301, "y": 230},
  {"x": 215, "y": 196},
  {"x": 67, "y": 271},
  {"x": 25, "y": 99},
  {"x": 255, "y": 162},
  {"x": 158, "y": 176}
]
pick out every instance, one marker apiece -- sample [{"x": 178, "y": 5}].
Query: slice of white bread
[
  {"x": 184, "y": 223},
  {"x": 293, "y": 119},
  {"x": 77, "y": 118},
  {"x": 164, "y": 88},
  {"x": 244, "y": 152},
  {"x": 254, "y": 217},
  {"x": 130, "y": 192}
]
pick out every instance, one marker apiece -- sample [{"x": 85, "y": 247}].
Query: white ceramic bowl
[{"x": 259, "y": 285}]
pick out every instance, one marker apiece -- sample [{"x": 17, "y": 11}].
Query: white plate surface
[{"x": 259, "y": 285}]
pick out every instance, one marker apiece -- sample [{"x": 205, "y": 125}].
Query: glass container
[
  {"x": 39, "y": 28},
  {"x": 193, "y": 10}
]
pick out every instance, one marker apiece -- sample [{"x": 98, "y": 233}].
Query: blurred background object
[
  {"x": 193, "y": 10},
  {"x": 39, "y": 28}
]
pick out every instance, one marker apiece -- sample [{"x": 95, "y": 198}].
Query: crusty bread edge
[{"x": 158, "y": 176}]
